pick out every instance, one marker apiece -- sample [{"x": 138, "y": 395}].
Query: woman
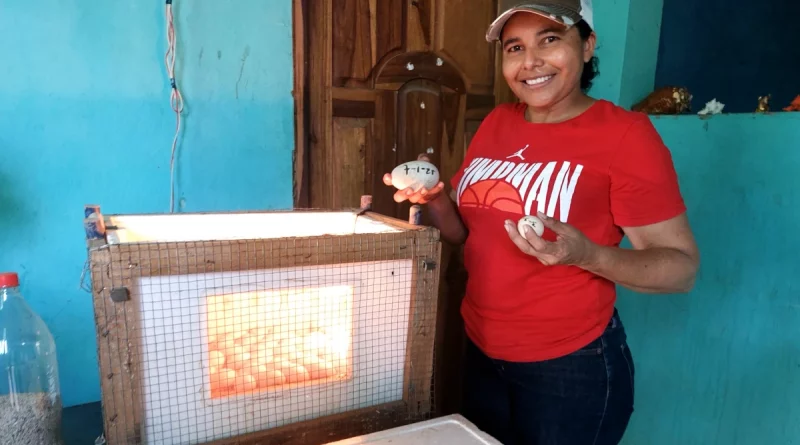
[{"x": 547, "y": 360}]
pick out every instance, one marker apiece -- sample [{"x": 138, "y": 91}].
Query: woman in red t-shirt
[{"x": 547, "y": 361}]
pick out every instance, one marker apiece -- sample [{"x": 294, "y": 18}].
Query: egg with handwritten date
[
  {"x": 531, "y": 221},
  {"x": 415, "y": 175}
]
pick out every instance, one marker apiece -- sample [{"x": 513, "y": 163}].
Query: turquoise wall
[
  {"x": 720, "y": 366},
  {"x": 610, "y": 22},
  {"x": 85, "y": 118},
  {"x": 628, "y": 34},
  {"x": 641, "y": 51}
]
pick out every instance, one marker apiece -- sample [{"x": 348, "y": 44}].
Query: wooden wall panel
[
  {"x": 420, "y": 112},
  {"x": 470, "y": 128},
  {"x": 352, "y": 32},
  {"x": 364, "y": 31},
  {"x": 419, "y": 123},
  {"x": 389, "y": 25},
  {"x": 451, "y": 153},
  {"x": 350, "y": 145},
  {"x": 450, "y": 338},
  {"x": 400, "y": 68},
  {"x": 479, "y": 106},
  {"x": 383, "y": 156},
  {"x": 419, "y": 24},
  {"x": 319, "y": 63},
  {"x": 470, "y": 51}
]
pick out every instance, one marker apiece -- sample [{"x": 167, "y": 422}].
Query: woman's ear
[{"x": 589, "y": 46}]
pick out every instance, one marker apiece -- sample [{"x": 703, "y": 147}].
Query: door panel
[
  {"x": 460, "y": 35},
  {"x": 364, "y": 31},
  {"x": 384, "y": 157},
  {"x": 451, "y": 154},
  {"x": 419, "y": 24},
  {"x": 419, "y": 124},
  {"x": 353, "y": 133},
  {"x": 353, "y": 115},
  {"x": 399, "y": 68},
  {"x": 382, "y": 82}
]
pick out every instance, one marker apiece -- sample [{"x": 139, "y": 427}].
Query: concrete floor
[{"x": 82, "y": 424}]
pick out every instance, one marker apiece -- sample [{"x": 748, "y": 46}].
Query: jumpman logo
[{"x": 519, "y": 153}]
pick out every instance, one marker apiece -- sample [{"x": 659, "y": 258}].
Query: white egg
[
  {"x": 415, "y": 175},
  {"x": 535, "y": 223}
]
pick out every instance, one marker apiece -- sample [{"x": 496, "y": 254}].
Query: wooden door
[{"x": 377, "y": 83}]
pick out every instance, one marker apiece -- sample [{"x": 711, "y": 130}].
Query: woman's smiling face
[{"x": 542, "y": 60}]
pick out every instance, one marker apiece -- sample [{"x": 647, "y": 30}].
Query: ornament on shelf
[
  {"x": 763, "y": 104},
  {"x": 666, "y": 100},
  {"x": 712, "y": 107},
  {"x": 794, "y": 106}
]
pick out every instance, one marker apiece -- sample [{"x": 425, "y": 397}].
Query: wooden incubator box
[{"x": 278, "y": 327}]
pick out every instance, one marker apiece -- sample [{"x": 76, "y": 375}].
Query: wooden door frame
[{"x": 300, "y": 157}]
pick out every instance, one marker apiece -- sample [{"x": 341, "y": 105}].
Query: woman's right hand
[{"x": 422, "y": 196}]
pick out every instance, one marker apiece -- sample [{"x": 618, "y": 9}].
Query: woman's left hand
[{"x": 570, "y": 248}]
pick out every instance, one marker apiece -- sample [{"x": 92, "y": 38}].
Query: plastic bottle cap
[{"x": 9, "y": 279}]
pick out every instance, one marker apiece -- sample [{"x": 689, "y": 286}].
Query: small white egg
[{"x": 533, "y": 222}]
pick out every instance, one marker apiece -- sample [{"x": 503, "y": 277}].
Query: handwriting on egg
[{"x": 419, "y": 169}]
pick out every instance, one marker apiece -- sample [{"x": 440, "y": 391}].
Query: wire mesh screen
[{"x": 306, "y": 339}]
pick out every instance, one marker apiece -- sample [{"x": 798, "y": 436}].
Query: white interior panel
[{"x": 237, "y": 226}]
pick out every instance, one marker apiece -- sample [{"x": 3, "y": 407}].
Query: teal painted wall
[
  {"x": 85, "y": 118},
  {"x": 611, "y": 27},
  {"x": 628, "y": 34},
  {"x": 721, "y": 366},
  {"x": 641, "y": 51}
]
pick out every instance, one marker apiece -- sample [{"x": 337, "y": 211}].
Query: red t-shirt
[{"x": 605, "y": 169}]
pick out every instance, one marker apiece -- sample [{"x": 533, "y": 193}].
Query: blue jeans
[{"x": 584, "y": 398}]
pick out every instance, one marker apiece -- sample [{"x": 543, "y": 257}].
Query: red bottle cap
[{"x": 9, "y": 279}]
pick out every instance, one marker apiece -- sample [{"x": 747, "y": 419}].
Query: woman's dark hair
[{"x": 590, "y": 70}]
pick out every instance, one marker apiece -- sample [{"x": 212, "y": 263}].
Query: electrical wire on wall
[{"x": 176, "y": 99}]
